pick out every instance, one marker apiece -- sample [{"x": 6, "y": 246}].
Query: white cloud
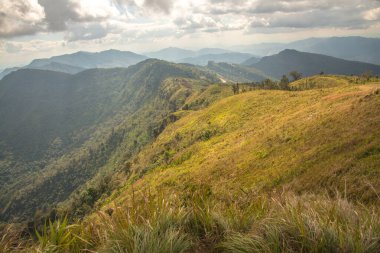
[
  {"x": 18, "y": 17},
  {"x": 372, "y": 15}
]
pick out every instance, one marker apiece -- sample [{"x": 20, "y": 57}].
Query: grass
[
  {"x": 307, "y": 141},
  {"x": 263, "y": 171},
  {"x": 204, "y": 222}
]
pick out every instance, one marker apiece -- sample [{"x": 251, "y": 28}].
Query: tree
[
  {"x": 284, "y": 83},
  {"x": 367, "y": 75},
  {"x": 235, "y": 88},
  {"x": 295, "y": 75}
]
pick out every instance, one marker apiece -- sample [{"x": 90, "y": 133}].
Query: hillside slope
[
  {"x": 58, "y": 130},
  {"x": 307, "y": 141},
  {"x": 261, "y": 171},
  {"x": 311, "y": 64}
]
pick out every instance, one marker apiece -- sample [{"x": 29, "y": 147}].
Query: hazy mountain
[
  {"x": 236, "y": 58},
  {"x": 59, "y": 67},
  {"x": 171, "y": 54},
  {"x": 79, "y": 61},
  {"x": 175, "y": 54},
  {"x": 250, "y": 61},
  {"x": 236, "y": 72},
  {"x": 349, "y": 48},
  {"x": 311, "y": 64},
  {"x": 7, "y": 71},
  {"x": 205, "y": 51},
  {"x": 87, "y": 60},
  {"x": 66, "y": 127}
]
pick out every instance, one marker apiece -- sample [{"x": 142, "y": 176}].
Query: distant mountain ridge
[
  {"x": 311, "y": 64},
  {"x": 79, "y": 61},
  {"x": 234, "y": 58},
  {"x": 199, "y": 57},
  {"x": 352, "y": 48}
]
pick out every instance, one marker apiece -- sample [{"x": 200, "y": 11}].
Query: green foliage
[
  {"x": 56, "y": 236},
  {"x": 203, "y": 221}
]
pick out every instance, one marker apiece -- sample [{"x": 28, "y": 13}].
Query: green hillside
[
  {"x": 316, "y": 140},
  {"x": 58, "y": 131},
  {"x": 260, "y": 171}
]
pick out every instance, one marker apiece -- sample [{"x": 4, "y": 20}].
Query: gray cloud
[
  {"x": 161, "y": 5},
  {"x": 86, "y": 20},
  {"x": 18, "y": 17},
  {"x": 87, "y": 31}
]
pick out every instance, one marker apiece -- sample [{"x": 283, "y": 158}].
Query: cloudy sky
[{"x": 41, "y": 28}]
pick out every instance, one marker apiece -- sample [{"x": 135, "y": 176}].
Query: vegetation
[
  {"x": 213, "y": 223},
  {"x": 277, "y": 167},
  {"x": 72, "y": 126}
]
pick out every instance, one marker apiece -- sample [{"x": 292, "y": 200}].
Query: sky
[{"x": 31, "y": 29}]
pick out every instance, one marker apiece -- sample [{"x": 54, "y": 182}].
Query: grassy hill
[
  {"x": 261, "y": 171},
  {"x": 325, "y": 138},
  {"x": 58, "y": 130}
]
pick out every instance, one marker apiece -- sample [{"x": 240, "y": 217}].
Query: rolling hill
[
  {"x": 311, "y": 64},
  {"x": 255, "y": 172},
  {"x": 58, "y": 130}
]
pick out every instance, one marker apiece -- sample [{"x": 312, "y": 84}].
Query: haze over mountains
[
  {"x": 361, "y": 49},
  {"x": 352, "y": 48}
]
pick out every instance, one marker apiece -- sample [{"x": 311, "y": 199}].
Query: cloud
[
  {"x": 19, "y": 17},
  {"x": 87, "y": 31},
  {"x": 161, "y": 5},
  {"x": 94, "y": 19},
  {"x": 60, "y": 12},
  {"x": 372, "y": 15}
]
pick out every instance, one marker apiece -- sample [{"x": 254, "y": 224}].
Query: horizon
[
  {"x": 145, "y": 53},
  {"x": 35, "y": 29}
]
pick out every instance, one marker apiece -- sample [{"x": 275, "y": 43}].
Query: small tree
[
  {"x": 284, "y": 83},
  {"x": 367, "y": 75},
  {"x": 295, "y": 75},
  {"x": 235, "y": 88}
]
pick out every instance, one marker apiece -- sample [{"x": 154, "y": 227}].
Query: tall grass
[{"x": 202, "y": 222}]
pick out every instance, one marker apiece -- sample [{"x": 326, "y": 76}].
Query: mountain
[
  {"x": 58, "y": 67},
  {"x": 311, "y": 64},
  {"x": 260, "y": 171},
  {"x": 86, "y": 60},
  {"x": 206, "y": 51},
  {"x": 349, "y": 48},
  {"x": 158, "y": 158},
  {"x": 250, "y": 61},
  {"x": 171, "y": 54},
  {"x": 79, "y": 61},
  {"x": 199, "y": 57},
  {"x": 236, "y": 72},
  {"x": 58, "y": 131},
  {"x": 7, "y": 71},
  {"x": 202, "y": 60}
]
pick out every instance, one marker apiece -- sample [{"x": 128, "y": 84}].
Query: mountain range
[
  {"x": 348, "y": 48},
  {"x": 311, "y": 64}
]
